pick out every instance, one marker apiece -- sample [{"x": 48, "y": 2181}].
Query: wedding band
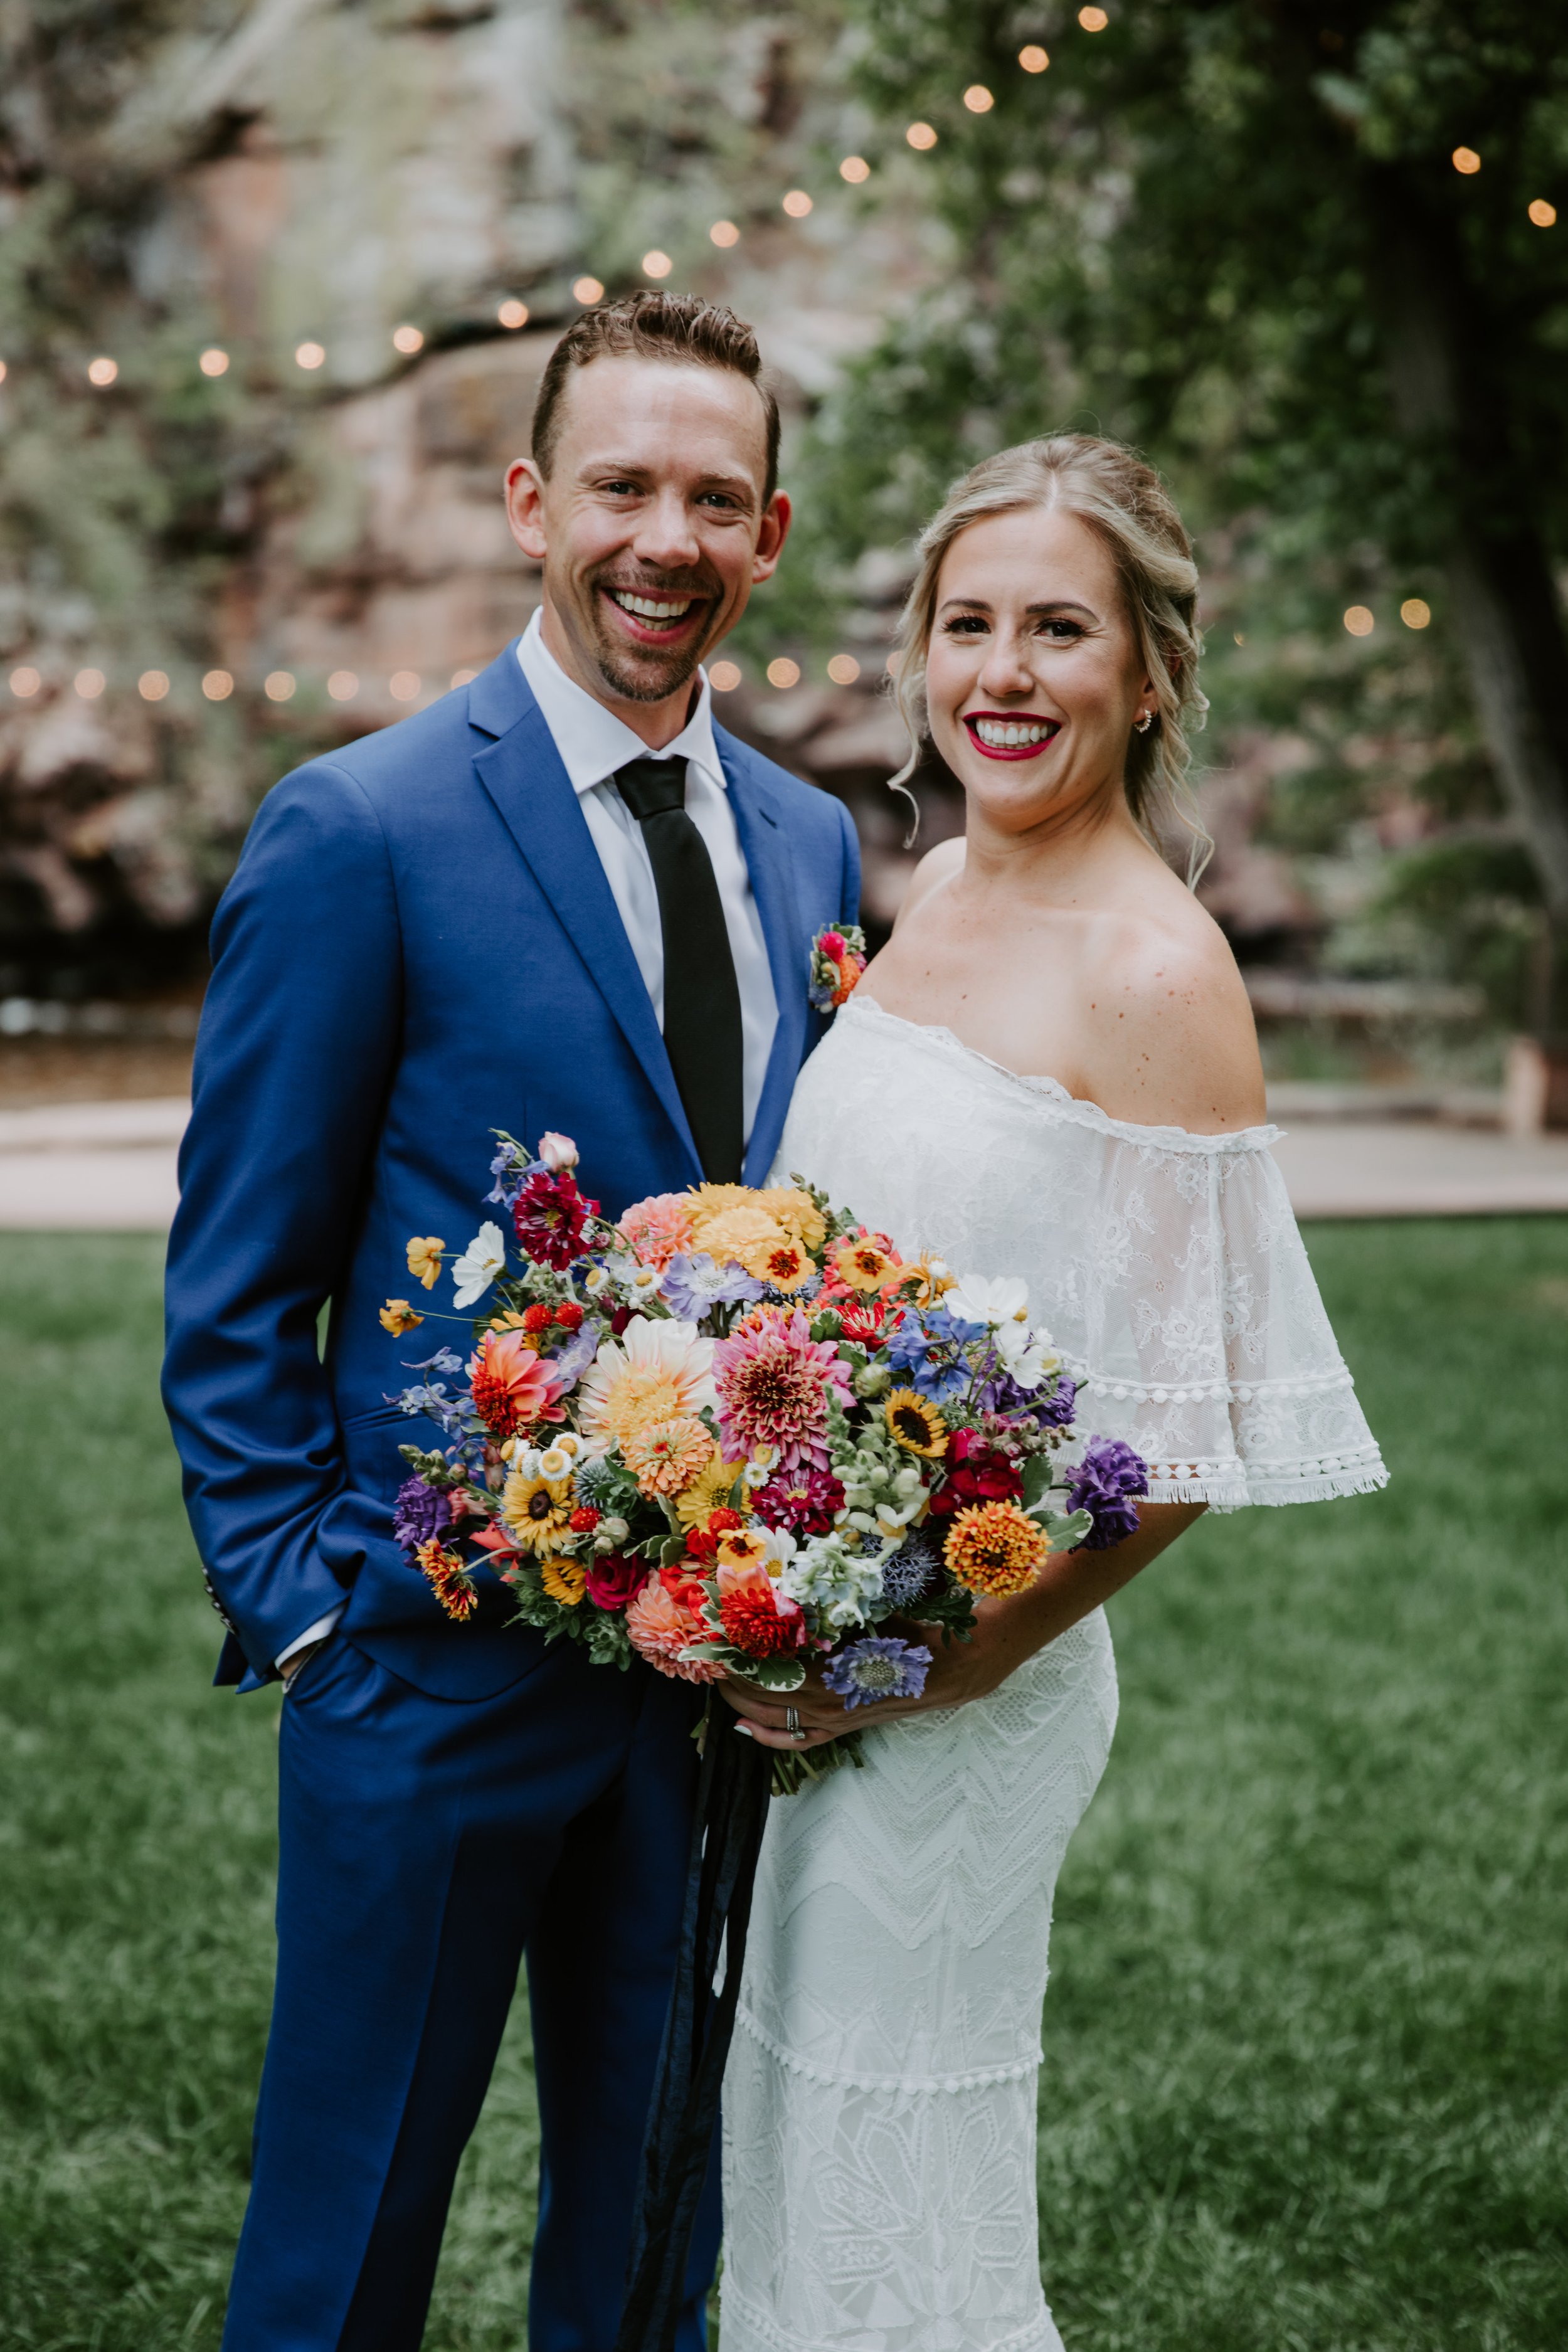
[{"x": 792, "y": 1722}]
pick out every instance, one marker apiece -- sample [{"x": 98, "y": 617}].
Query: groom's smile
[{"x": 650, "y": 506}]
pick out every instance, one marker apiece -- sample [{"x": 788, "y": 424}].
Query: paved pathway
[{"x": 109, "y": 1167}]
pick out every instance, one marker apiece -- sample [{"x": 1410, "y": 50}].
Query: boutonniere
[{"x": 838, "y": 961}]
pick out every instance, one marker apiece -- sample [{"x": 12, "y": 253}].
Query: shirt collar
[{"x": 593, "y": 743}]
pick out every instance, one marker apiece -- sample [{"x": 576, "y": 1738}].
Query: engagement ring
[{"x": 792, "y": 1722}]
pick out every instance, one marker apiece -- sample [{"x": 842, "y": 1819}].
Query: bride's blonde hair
[{"x": 1124, "y": 501}]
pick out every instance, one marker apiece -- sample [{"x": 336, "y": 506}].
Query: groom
[{"x": 562, "y": 897}]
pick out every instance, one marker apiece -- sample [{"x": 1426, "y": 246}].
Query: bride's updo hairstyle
[{"x": 1125, "y": 501}]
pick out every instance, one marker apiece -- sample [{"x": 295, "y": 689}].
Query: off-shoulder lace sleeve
[
  {"x": 1166, "y": 1265},
  {"x": 1187, "y": 1310}
]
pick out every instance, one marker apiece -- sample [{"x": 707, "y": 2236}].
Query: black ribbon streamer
[{"x": 732, "y": 1791}]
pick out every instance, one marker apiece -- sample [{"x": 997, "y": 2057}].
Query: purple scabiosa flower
[
  {"x": 693, "y": 1283},
  {"x": 877, "y": 1667},
  {"x": 911, "y": 1572},
  {"x": 573, "y": 1361},
  {"x": 929, "y": 1350},
  {"x": 418, "y": 1513},
  {"x": 1101, "y": 1485}
]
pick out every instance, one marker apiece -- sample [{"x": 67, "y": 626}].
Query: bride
[{"x": 1049, "y": 1071}]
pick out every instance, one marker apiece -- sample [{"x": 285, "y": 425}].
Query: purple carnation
[
  {"x": 877, "y": 1667},
  {"x": 1100, "y": 1485},
  {"x": 418, "y": 1513}
]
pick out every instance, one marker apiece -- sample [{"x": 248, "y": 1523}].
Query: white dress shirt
[{"x": 593, "y": 743}]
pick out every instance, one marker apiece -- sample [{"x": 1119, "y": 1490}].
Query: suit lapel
[
  {"x": 524, "y": 776},
  {"x": 763, "y": 846}
]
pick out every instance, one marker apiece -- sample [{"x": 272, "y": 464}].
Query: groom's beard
[{"x": 650, "y": 672}]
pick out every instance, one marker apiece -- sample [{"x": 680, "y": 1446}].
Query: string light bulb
[
  {"x": 1359, "y": 621},
  {"x": 102, "y": 371},
  {"x": 308, "y": 356},
  {"x": 214, "y": 362},
  {"x": 1033, "y": 58},
  {"x": 1093, "y": 20},
  {"x": 403, "y": 686},
  {"x": 844, "y": 670},
  {"x": 407, "y": 340},
  {"x": 921, "y": 137},
  {"x": 978, "y": 98},
  {"x": 1416, "y": 613},
  {"x": 587, "y": 289},
  {"x": 89, "y": 684},
  {"x": 342, "y": 686},
  {"x": 724, "y": 677},
  {"x": 1543, "y": 214},
  {"x": 656, "y": 263},
  {"x": 512, "y": 315},
  {"x": 783, "y": 672},
  {"x": 855, "y": 170},
  {"x": 797, "y": 203},
  {"x": 218, "y": 685},
  {"x": 152, "y": 685},
  {"x": 24, "y": 682},
  {"x": 1467, "y": 161},
  {"x": 279, "y": 686},
  {"x": 724, "y": 234}
]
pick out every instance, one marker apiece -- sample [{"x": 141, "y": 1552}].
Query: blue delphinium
[
  {"x": 929, "y": 1350},
  {"x": 418, "y": 1513},
  {"x": 1102, "y": 1483},
  {"x": 877, "y": 1667},
  {"x": 912, "y": 1570},
  {"x": 691, "y": 1285}
]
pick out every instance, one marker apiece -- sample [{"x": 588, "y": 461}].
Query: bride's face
[{"x": 1033, "y": 675}]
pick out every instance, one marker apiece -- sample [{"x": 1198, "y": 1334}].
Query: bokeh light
[
  {"x": 342, "y": 686},
  {"x": 407, "y": 340},
  {"x": 783, "y": 672},
  {"x": 310, "y": 355},
  {"x": 1416, "y": 613},
  {"x": 214, "y": 360},
  {"x": 279, "y": 686},
  {"x": 922, "y": 137},
  {"x": 656, "y": 263},
  {"x": 24, "y": 682},
  {"x": 2, "y": 371},
  {"x": 797, "y": 203},
  {"x": 1033, "y": 58},
  {"x": 587, "y": 289},
  {"x": 152, "y": 685},
  {"x": 844, "y": 670},
  {"x": 724, "y": 233},
  {"x": 403, "y": 686},
  {"x": 102, "y": 371},
  {"x": 978, "y": 98},
  {"x": 724, "y": 677},
  {"x": 1093, "y": 20},
  {"x": 1543, "y": 214},
  {"x": 855, "y": 170},
  {"x": 89, "y": 684},
  {"x": 1466, "y": 160},
  {"x": 463, "y": 678},
  {"x": 513, "y": 314},
  {"x": 1359, "y": 621},
  {"x": 218, "y": 685}
]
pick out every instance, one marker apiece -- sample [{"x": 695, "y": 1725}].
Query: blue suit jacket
[{"x": 418, "y": 945}]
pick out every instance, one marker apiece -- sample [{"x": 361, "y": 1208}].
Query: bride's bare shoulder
[
  {"x": 940, "y": 865},
  {"x": 1168, "y": 1030}
]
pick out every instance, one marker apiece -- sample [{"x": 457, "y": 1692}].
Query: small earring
[{"x": 1144, "y": 723}]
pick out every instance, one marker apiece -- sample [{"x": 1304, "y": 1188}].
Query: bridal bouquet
[{"x": 737, "y": 1433}]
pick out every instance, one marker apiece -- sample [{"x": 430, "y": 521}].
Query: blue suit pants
[{"x": 427, "y": 1845}]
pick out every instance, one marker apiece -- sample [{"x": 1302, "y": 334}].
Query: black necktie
[{"x": 701, "y": 997}]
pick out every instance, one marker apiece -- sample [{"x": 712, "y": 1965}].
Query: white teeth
[
  {"x": 647, "y": 609},
  {"x": 1013, "y": 736}
]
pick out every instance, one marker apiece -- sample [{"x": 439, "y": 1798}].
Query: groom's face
[{"x": 650, "y": 525}]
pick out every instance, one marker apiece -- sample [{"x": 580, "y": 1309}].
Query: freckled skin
[{"x": 1053, "y": 937}]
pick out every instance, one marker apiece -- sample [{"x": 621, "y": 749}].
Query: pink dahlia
[
  {"x": 774, "y": 1380},
  {"x": 659, "y": 1628},
  {"x": 512, "y": 1386},
  {"x": 658, "y": 1229}
]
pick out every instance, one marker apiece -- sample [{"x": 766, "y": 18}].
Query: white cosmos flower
[
  {"x": 484, "y": 1258},
  {"x": 976, "y": 1300}
]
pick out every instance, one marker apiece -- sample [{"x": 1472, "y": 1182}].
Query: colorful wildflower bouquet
[{"x": 737, "y": 1433}]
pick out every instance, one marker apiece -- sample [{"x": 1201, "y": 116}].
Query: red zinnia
[
  {"x": 977, "y": 1473},
  {"x": 703, "y": 1542},
  {"x": 753, "y": 1623},
  {"x": 549, "y": 1217}
]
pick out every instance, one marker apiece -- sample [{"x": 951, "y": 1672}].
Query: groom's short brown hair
[{"x": 654, "y": 326}]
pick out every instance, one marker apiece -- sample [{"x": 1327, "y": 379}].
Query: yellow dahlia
[
  {"x": 740, "y": 1234},
  {"x": 710, "y": 1491},
  {"x": 915, "y": 1423},
  {"x": 995, "y": 1548},
  {"x": 564, "y": 1579},
  {"x": 666, "y": 1456},
  {"x": 537, "y": 1510},
  {"x": 796, "y": 1211}
]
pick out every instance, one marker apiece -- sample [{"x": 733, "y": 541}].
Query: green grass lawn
[{"x": 1307, "y": 2030}]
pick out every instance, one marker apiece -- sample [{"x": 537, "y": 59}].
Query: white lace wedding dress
[{"x": 881, "y": 2097}]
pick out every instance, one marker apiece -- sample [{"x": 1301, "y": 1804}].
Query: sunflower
[
  {"x": 995, "y": 1548},
  {"x": 564, "y": 1579},
  {"x": 538, "y": 1511},
  {"x": 709, "y": 1492},
  {"x": 916, "y": 1424}
]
